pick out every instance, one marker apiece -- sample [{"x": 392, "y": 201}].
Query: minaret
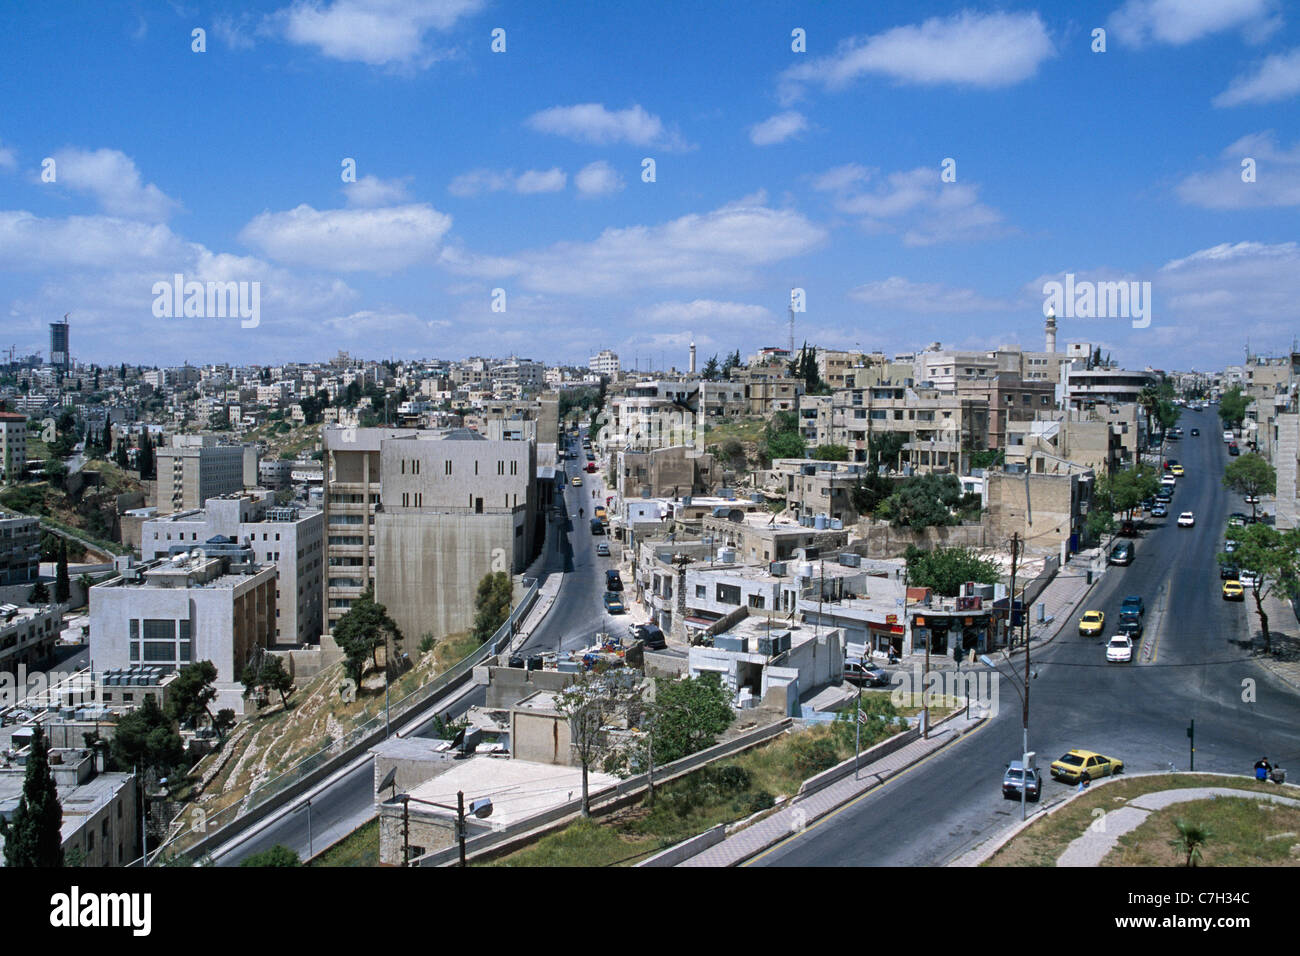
[
  {"x": 692, "y": 358},
  {"x": 1051, "y": 328}
]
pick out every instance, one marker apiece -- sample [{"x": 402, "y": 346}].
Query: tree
[
  {"x": 731, "y": 361},
  {"x": 275, "y": 677},
  {"x": 711, "y": 370},
  {"x": 224, "y": 722},
  {"x": 278, "y": 855},
  {"x": 145, "y": 460},
  {"x": 687, "y": 715},
  {"x": 107, "y": 440},
  {"x": 119, "y": 454},
  {"x": 1271, "y": 555},
  {"x": 732, "y": 452},
  {"x": 32, "y": 837},
  {"x": 869, "y": 491},
  {"x": 591, "y": 703},
  {"x": 804, "y": 366},
  {"x": 1192, "y": 838},
  {"x": 923, "y": 502},
  {"x": 146, "y": 738},
  {"x": 781, "y": 437},
  {"x": 192, "y": 692},
  {"x": 945, "y": 570},
  {"x": 359, "y": 633},
  {"x": 39, "y": 594},
  {"x": 883, "y": 448},
  {"x": 1232, "y": 407},
  {"x": 831, "y": 453},
  {"x": 492, "y": 604},
  {"x": 1252, "y": 476},
  {"x": 62, "y": 584}
]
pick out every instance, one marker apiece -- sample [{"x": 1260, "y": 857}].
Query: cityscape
[{"x": 839, "y": 450}]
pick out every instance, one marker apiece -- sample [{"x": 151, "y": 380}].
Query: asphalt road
[
  {"x": 1196, "y": 669},
  {"x": 578, "y": 613}
]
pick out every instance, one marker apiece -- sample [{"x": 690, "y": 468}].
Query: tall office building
[{"x": 59, "y": 356}]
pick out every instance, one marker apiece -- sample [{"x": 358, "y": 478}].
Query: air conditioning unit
[
  {"x": 850, "y": 560},
  {"x": 777, "y": 569}
]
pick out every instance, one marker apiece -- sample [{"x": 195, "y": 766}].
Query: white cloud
[
  {"x": 917, "y": 203},
  {"x": 597, "y": 179},
  {"x": 541, "y": 181},
  {"x": 1277, "y": 78},
  {"x": 968, "y": 49},
  {"x": 8, "y": 158},
  {"x": 704, "y": 313},
  {"x": 778, "y": 128},
  {"x": 378, "y": 240},
  {"x": 1179, "y": 22},
  {"x": 375, "y": 32},
  {"x": 235, "y": 33},
  {"x": 595, "y": 124},
  {"x": 902, "y": 295},
  {"x": 727, "y": 246},
  {"x": 478, "y": 181},
  {"x": 371, "y": 191},
  {"x": 110, "y": 176},
  {"x": 1277, "y": 181},
  {"x": 841, "y": 178},
  {"x": 28, "y": 242}
]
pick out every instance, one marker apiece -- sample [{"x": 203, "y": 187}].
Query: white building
[{"x": 604, "y": 362}]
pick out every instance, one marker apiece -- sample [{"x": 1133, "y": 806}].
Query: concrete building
[
  {"x": 456, "y": 506},
  {"x": 1286, "y": 459},
  {"x": 772, "y": 667},
  {"x": 664, "y": 472},
  {"x": 812, "y": 487},
  {"x": 290, "y": 538},
  {"x": 1044, "y": 509},
  {"x": 20, "y": 549},
  {"x": 195, "y": 468},
  {"x": 13, "y": 445},
  {"x": 217, "y": 606},
  {"x": 28, "y": 635},
  {"x": 101, "y": 816},
  {"x": 1117, "y": 386},
  {"x": 60, "y": 356},
  {"x": 604, "y": 362}
]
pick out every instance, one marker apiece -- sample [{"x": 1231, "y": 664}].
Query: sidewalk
[
  {"x": 800, "y": 812},
  {"x": 1284, "y": 630}
]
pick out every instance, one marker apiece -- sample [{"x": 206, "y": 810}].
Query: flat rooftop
[{"x": 518, "y": 788}]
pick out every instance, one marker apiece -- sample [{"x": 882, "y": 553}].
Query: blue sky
[{"x": 522, "y": 171}]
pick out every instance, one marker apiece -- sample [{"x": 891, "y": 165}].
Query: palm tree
[{"x": 1192, "y": 838}]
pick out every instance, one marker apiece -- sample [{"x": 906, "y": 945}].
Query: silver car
[{"x": 1015, "y": 777}]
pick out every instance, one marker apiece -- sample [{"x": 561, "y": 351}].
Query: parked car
[
  {"x": 597, "y": 527},
  {"x": 1248, "y": 579},
  {"x": 1164, "y": 496},
  {"x": 1128, "y": 529},
  {"x": 866, "y": 673},
  {"x": 1233, "y": 591},
  {"x": 1229, "y": 546},
  {"x": 516, "y": 661},
  {"x": 613, "y": 582},
  {"x": 1237, "y": 519},
  {"x": 1228, "y": 572},
  {"x": 1120, "y": 649},
  {"x": 650, "y": 636},
  {"x": 1233, "y": 450},
  {"x": 1122, "y": 553},
  {"x": 1016, "y": 778},
  {"x": 1159, "y": 511},
  {"x": 1229, "y": 437},
  {"x": 614, "y": 603},
  {"x": 1176, "y": 470},
  {"x": 602, "y": 550},
  {"x": 1084, "y": 764},
  {"x": 1092, "y": 623},
  {"x": 1167, "y": 480},
  {"x": 1252, "y": 499},
  {"x": 1186, "y": 520}
]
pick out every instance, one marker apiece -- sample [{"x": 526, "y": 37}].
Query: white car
[
  {"x": 1248, "y": 579},
  {"x": 1120, "y": 649},
  {"x": 1229, "y": 437},
  {"x": 1167, "y": 480},
  {"x": 1186, "y": 519}
]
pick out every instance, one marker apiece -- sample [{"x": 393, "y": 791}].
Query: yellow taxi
[
  {"x": 1092, "y": 623},
  {"x": 1176, "y": 471},
  {"x": 1084, "y": 764},
  {"x": 577, "y": 481},
  {"x": 1233, "y": 591}
]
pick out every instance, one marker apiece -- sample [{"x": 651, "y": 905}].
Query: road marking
[{"x": 866, "y": 793}]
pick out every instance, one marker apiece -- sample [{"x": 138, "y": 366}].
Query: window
[
  {"x": 728, "y": 594},
  {"x": 757, "y": 601},
  {"x": 701, "y": 591}
]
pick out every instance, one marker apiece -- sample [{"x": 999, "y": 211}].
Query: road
[
  {"x": 1196, "y": 669},
  {"x": 576, "y": 616}
]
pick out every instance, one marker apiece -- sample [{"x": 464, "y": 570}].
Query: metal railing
[{"x": 194, "y": 831}]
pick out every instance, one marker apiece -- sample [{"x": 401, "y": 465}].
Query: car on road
[
  {"x": 1159, "y": 511},
  {"x": 1228, "y": 572},
  {"x": 1229, "y": 437},
  {"x": 1186, "y": 520},
  {"x": 1120, "y": 649},
  {"x": 1164, "y": 496},
  {"x": 1092, "y": 623},
  {"x": 1122, "y": 553},
  {"x": 613, "y": 582},
  {"x": 1233, "y": 450},
  {"x": 597, "y": 527},
  {"x": 1236, "y": 520},
  {"x": 1080, "y": 764},
  {"x": 1015, "y": 778},
  {"x": 1176, "y": 470},
  {"x": 614, "y": 603},
  {"x": 650, "y": 636},
  {"x": 591, "y": 467},
  {"x": 1167, "y": 480},
  {"x": 1229, "y": 546},
  {"x": 1196, "y": 433},
  {"x": 577, "y": 481},
  {"x": 1251, "y": 499},
  {"x": 1130, "y": 626},
  {"x": 866, "y": 673},
  {"x": 1248, "y": 579},
  {"x": 602, "y": 550},
  {"x": 1233, "y": 591},
  {"x": 1133, "y": 604}
]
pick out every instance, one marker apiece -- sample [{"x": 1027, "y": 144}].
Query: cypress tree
[
  {"x": 33, "y": 838},
  {"x": 62, "y": 585}
]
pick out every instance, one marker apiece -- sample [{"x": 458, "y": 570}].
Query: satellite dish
[
  {"x": 481, "y": 808},
  {"x": 390, "y": 779}
]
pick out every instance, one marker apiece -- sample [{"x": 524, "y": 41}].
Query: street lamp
[
  {"x": 481, "y": 809},
  {"x": 1026, "y": 754}
]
